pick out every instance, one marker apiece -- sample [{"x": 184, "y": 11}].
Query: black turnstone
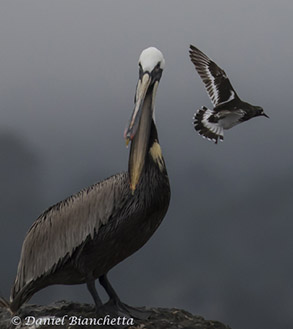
[{"x": 229, "y": 110}]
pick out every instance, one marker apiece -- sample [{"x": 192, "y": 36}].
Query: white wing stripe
[{"x": 215, "y": 92}]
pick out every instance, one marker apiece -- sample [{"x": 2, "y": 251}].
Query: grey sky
[{"x": 68, "y": 71}]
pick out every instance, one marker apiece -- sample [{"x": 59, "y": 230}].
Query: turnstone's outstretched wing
[{"x": 216, "y": 82}]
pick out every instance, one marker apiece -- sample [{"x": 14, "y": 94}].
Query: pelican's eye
[
  {"x": 158, "y": 66},
  {"x": 140, "y": 70}
]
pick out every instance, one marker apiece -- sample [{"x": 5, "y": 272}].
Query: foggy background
[{"x": 68, "y": 71}]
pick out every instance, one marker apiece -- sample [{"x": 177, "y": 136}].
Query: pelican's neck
[{"x": 140, "y": 143}]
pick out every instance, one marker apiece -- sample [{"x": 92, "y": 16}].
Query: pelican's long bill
[
  {"x": 151, "y": 64},
  {"x": 141, "y": 90}
]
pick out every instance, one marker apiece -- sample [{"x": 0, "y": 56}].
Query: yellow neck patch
[{"x": 156, "y": 154}]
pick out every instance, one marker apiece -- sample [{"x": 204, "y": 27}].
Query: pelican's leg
[
  {"x": 109, "y": 289},
  {"x": 101, "y": 310},
  {"x": 90, "y": 283},
  {"x": 119, "y": 307}
]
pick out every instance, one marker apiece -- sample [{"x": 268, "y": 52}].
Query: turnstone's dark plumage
[{"x": 229, "y": 110}]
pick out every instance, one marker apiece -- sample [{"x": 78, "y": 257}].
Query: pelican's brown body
[
  {"x": 93, "y": 230},
  {"x": 81, "y": 238}
]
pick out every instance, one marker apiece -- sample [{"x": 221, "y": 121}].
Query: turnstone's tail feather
[
  {"x": 207, "y": 126},
  {"x": 215, "y": 79}
]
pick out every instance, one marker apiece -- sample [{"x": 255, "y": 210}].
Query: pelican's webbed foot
[
  {"x": 117, "y": 307},
  {"x": 115, "y": 304}
]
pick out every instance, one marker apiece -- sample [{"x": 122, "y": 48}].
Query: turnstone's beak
[{"x": 261, "y": 112}]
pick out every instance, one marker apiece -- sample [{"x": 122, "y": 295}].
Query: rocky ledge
[{"x": 65, "y": 315}]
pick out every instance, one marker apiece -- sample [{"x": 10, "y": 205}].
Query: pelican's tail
[
  {"x": 5, "y": 304},
  {"x": 12, "y": 306},
  {"x": 207, "y": 125},
  {"x": 17, "y": 299}
]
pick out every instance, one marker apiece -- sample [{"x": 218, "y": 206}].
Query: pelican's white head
[{"x": 151, "y": 58}]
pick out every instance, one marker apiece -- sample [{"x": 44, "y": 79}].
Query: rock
[{"x": 67, "y": 315}]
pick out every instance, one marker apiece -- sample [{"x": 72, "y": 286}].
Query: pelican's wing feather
[{"x": 56, "y": 234}]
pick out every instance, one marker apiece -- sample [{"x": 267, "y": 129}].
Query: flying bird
[
  {"x": 81, "y": 238},
  {"x": 229, "y": 110}
]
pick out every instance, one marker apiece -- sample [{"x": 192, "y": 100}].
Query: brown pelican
[
  {"x": 80, "y": 239},
  {"x": 229, "y": 110}
]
